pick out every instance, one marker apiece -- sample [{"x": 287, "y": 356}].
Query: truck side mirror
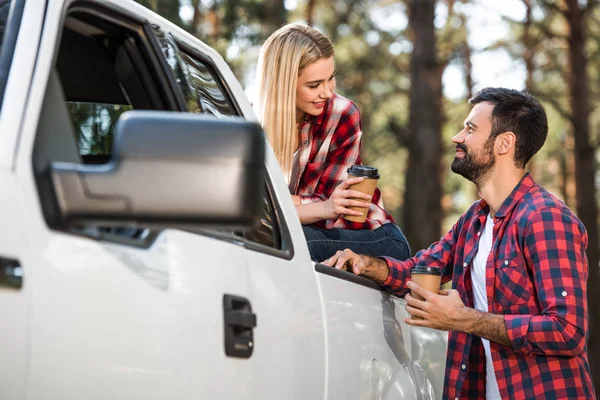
[{"x": 168, "y": 169}]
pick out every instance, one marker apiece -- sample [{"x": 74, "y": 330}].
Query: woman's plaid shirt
[
  {"x": 330, "y": 143},
  {"x": 537, "y": 279}
]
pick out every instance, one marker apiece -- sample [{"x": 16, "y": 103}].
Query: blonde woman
[{"x": 316, "y": 136}]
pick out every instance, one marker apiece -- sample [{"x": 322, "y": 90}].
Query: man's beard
[{"x": 476, "y": 167}]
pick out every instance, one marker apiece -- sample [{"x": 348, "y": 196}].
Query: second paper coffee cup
[
  {"x": 429, "y": 278},
  {"x": 367, "y": 186}
]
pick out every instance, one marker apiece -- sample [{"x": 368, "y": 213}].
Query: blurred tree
[
  {"x": 422, "y": 207},
  {"x": 585, "y": 163},
  {"x": 166, "y": 8}
]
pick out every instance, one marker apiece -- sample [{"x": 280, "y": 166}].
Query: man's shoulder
[{"x": 540, "y": 200}]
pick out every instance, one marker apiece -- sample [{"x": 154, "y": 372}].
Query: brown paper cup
[
  {"x": 428, "y": 282},
  {"x": 367, "y": 186}
]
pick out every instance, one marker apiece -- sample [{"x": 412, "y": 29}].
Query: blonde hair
[{"x": 282, "y": 58}]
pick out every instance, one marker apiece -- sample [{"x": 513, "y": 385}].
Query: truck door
[
  {"x": 371, "y": 352},
  {"x": 119, "y": 311},
  {"x": 17, "y": 58},
  {"x": 289, "y": 348}
]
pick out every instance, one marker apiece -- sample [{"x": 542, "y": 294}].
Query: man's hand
[
  {"x": 342, "y": 198},
  {"x": 443, "y": 311},
  {"x": 373, "y": 268},
  {"x": 447, "y": 312}
]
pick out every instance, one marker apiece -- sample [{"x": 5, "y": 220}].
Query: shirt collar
[{"x": 511, "y": 201}]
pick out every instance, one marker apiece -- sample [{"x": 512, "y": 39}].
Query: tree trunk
[
  {"x": 422, "y": 212},
  {"x": 275, "y": 16},
  {"x": 528, "y": 43},
  {"x": 585, "y": 172},
  {"x": 528, "y": 53},
  {"x": 467, "y": 58},
  {"x": 310, "y": 11}
]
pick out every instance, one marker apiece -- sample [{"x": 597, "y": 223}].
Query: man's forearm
[
  {"x": 485, "y": 325},
  {"x": 376, "y": 269}
]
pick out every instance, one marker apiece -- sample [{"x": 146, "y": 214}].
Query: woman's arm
[
  {"x": 331, "y": 196},
  {"x": 336, "y": 205}
]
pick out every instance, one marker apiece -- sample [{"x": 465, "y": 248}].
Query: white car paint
[{"x": 98, "y": 320}]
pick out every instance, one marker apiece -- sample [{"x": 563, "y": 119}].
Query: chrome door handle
[{"x": 11, "y": 273}]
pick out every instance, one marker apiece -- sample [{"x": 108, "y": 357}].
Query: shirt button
[
  {"x": 305, "y": 142},
  {"x": 465, "y": 265},
  {"x": 505, "y": 262},
  {"x": 463, "y": 366},
  {"x": 564, "y": 293},
  {"x": 478, "y": 233}
]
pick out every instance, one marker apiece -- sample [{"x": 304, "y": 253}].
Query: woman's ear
[{"x": 506, "y": 142}]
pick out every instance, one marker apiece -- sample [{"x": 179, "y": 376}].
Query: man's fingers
[
  {"x": 413, "y": 302},
  {"x": 330, "y": 262},
  {"x": 343, "y": 258},
  {"x": 415, "y": 311},
  {"x": 359, "y": 267},
  {"x": 419, "y": 290},
  {"x": 417, "y": 322}
]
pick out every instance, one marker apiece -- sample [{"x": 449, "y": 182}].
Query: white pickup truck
[{"x": 131, "y": 262}]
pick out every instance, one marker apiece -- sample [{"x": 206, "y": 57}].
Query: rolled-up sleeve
[
  {"x": 440, "y": 254},
  {"x": 555, "y": 245}
]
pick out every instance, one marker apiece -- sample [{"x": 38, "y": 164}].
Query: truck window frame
[
  {"x": 9, "y": 42},
  {"x": 286, "y": 248},
  {"x": 149, "y": 74}
]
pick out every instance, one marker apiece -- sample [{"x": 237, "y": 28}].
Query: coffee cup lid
[
  {"x": 364, "y": 171},
  {"x": 423, "y": 269}
]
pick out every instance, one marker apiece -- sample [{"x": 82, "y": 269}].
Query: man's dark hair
[{"x": 517, "y": 112}]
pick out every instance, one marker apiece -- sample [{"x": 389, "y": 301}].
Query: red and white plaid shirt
[
  {"x": 537, "y": 279},
  {"x": 330, "y": 143}
]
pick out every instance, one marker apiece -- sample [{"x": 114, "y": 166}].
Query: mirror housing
[{"x": 168, "y": 169}]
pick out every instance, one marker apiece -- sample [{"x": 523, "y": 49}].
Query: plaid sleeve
[
  {"x": 440, "y": 254},
  {"x": 344, "y": 151},
  {"x": 555, "y": 246}
]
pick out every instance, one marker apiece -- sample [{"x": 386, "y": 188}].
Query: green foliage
[{"x": 94, "y": 125}]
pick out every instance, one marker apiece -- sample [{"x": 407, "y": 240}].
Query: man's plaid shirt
[
  {"x": 330, "y": 143},
  {"x": 537, "y": 279}
]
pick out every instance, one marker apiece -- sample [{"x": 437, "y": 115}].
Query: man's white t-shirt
[{"x": 481, "y": 303}]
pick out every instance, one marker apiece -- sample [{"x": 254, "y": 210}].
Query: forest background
[{"x": 411, "y": 65}]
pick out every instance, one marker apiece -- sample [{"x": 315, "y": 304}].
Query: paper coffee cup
[
  {"x": 367, "y": 186},
  {"x": 429, "y": 278}
]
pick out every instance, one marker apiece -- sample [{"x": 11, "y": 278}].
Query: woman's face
[{"x": 316, "y": 84}]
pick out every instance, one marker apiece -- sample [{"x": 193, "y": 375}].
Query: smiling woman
[{"x": 316, "y": 135}]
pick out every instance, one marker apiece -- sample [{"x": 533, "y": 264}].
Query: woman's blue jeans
[{"x": 387, "y": 240}]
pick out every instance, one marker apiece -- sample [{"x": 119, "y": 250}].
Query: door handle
[
  {"x": 11, "y": 273},
  {"x": 239, "y": 322}
]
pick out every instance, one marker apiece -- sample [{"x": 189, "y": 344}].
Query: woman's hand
[{"x": 342, "y": 198}]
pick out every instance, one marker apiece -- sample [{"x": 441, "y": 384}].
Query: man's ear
[{"x": 506, "y": 142}]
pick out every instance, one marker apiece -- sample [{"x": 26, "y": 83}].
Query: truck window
[
  {"x": 206, "y": 93},
  {"x": 10, "y": 20},
  {"x": 103, "y": 69}
]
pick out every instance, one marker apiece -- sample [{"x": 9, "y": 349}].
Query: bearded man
[{"x": 517, "y": 313}]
